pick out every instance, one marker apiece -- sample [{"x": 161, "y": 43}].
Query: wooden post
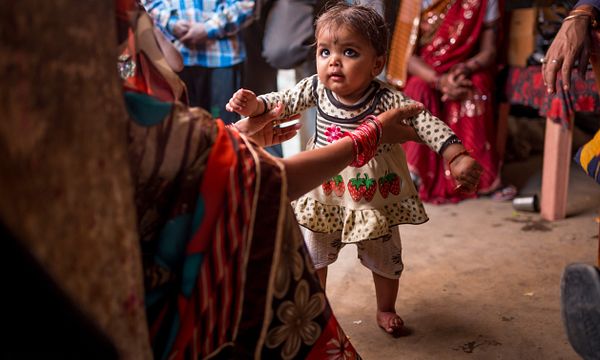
[{"x": 555, "y": 176}]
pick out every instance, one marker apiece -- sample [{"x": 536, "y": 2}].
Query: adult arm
[
  {"x": 571, "y": 43},
  {"x": 229, "y": 18},
  {"x": 308, "y": 169},
  {"x": 485, "y": 57}
]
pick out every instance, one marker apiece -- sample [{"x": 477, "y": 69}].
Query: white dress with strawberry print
[{"x": 363, "y": 203}]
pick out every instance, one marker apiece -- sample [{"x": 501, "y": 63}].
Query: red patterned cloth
[{"x": 525, "y": 87}]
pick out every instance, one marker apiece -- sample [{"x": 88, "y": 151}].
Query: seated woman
[{"x": 450, "y": 70}]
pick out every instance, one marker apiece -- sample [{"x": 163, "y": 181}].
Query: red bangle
[
  {"x": 366, "y": 138},
  {"x": 456, "y": 156}
]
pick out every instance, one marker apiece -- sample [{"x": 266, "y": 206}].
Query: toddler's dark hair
[{"x": 360, "y": 19}]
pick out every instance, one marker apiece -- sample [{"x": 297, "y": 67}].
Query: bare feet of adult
[{"x": 390, "y": 322}]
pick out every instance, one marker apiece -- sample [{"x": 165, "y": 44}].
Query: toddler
[{"x": 366, "y": 202}]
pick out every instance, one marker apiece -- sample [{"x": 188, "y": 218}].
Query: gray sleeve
[
  {"x": 378, "y": 5},
  {"x": 289, "y": 33}
]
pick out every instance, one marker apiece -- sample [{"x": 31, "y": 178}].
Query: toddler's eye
[
  {"x": 324, "y": 52},
  {"x": 350, "y": 53}
]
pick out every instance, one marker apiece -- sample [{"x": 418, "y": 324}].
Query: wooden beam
[{"x": 555, "y": 176}]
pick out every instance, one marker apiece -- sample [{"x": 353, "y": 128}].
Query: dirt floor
[{"x": 481, "y": 281}]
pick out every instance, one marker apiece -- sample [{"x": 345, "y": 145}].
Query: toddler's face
[{"x": 346, "y": 63}]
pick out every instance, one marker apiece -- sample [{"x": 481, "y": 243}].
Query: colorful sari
[
  {"x": 449, "y": 34},
  {"x": 226, "y": 271},
  {"x": 588, "y": 156}
]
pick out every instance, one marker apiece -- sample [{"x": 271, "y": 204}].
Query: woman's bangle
[
  {"x": 582, "y": 13},
  {"x": 456, "y": 156},
  {"x": 365, "y": 138}
]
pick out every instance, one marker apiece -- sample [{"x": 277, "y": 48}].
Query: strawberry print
[
  {"x": 370, "y": 186},
  {"x": 394, "y": 181},
  {"x": 384, "y": 186},
  {"x": 356, "y": 187},
  {"x": 333, "y": 133},
  {"x": 326, "y": 186},
  {"x": 337, "y": 185}
]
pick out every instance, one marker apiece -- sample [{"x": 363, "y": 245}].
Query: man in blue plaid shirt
[{"x": 207, "y": 33}]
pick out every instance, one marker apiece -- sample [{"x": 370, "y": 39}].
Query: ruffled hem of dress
[{"x": 358, "y": 225}]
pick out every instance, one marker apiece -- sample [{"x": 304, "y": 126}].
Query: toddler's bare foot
[{"x": 390, "y": 322}]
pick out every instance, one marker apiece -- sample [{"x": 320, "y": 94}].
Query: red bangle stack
[{"x": 366, "y": 138}]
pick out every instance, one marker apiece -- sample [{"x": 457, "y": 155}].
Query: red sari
[{"x": 454, "y": 40}]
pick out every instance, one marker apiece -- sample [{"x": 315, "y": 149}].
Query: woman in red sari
[{"x": 447, "y": 49}]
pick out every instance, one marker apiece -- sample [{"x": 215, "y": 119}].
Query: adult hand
[
  {"x": 571, "y": 43},
  {"x": 461, "y": 71},
  {"x": 393, "y": 123},
  {"x": 265, "y": 130},
  {"x": 195, "y": 35},
  {"x": 454, "y": 87},
  {"x": 180, "y": 28}
]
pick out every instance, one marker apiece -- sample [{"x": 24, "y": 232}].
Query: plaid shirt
[{"x": 223, "y": 20}]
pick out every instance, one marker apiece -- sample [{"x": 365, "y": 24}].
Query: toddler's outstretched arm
[{"x": 245, "y": 103}]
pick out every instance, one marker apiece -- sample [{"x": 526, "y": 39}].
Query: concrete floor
[{"x": 481, "y": 281}]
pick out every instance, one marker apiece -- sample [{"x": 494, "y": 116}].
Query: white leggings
[{"x": 383, "y": 256}]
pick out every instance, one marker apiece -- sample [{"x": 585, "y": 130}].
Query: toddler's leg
[
  {"x": 386, "y": 292},
  {"x": 384, "y": 258},
  {"x": 323, "y": 250}
]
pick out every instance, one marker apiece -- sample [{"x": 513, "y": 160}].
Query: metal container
[{"x": 526, "y": 203}]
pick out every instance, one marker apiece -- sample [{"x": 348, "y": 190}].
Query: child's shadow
[{"x": 403, "y": 332}]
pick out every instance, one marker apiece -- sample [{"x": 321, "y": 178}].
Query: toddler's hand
[
  {"x": 243, "y": 102},
  {"x": 466, "y": 171}
]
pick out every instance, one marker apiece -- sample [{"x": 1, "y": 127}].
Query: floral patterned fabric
[{"x": 525, "y": 86}]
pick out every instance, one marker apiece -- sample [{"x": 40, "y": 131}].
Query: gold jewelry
[{"x": 582, "y": 13}]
